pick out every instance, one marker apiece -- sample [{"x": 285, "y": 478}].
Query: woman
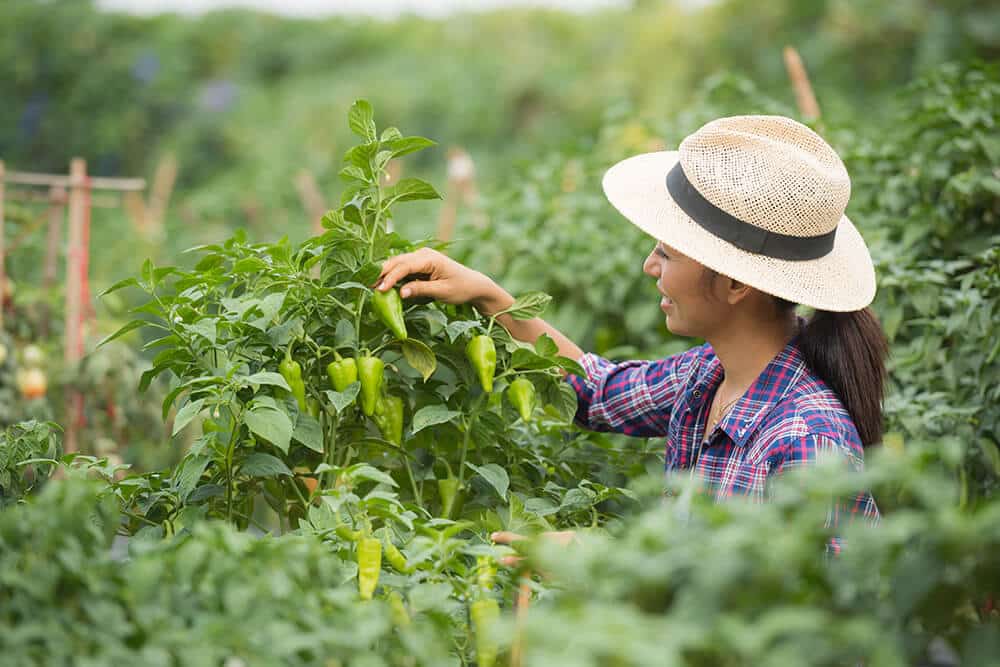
[{"x": 749, "y": 221}]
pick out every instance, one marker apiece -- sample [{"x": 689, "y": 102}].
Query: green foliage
[
  {"x": 929, "y": 193},
  {"x": 213, "y": 596},
  {"x": 743, "y": 584},
  {"x": 27, "y": 457}
]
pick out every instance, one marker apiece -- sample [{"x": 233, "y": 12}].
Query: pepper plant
[{"x": 309, "y": 387}]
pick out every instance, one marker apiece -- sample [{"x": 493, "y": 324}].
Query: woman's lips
[{"x": 665, "y": 303}]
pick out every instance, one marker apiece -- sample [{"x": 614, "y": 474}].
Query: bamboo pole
[
  {"x": 804, "y": 97},
  {"x": 72, "y": 343},
  {"x": 97, "y": 183},
  {"x": 56, "y": 213},
  {"x": 3, "y": 249},
  {"x": 163, "y": 186},
  {"x": 312, "y": 199}
]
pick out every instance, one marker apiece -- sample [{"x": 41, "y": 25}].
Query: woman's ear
[{"x": 737, "y": 291}]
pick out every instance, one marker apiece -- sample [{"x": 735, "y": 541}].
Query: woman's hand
[
  {"x": 443, "y": 279},
  {"x": 560, "y": 537}
]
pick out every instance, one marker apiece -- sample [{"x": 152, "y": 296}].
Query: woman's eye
[{"x": 661, "y": 253}]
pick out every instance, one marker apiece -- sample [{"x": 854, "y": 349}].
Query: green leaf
[
  {"x": 410, "y": 189},
  {"x": 249, "y": 265},
  {"x": 431, "y": 415},
  {"x": 308, "y": 432},
  {"x": 406, "y": 145},
  {"x": 260, "y": 464},
  {"x": 121, "y": 284},
  {"x": 527, "y": 359},
  {"x": 187, "y": 475},
  {"x": 458, "y": 328},
  {"x": 365, "y": 471},
  {"x": 270, "y": 424},
  {"x": 361, "y": 120},
  {"x": 527, "y": 306},
  {"x": 265, "y": 378},
  {"x": 186, "y": 414},
  {"x": 131, "y": 326},
  {"x": 545, "y": 346},
  {"x": 495, "y": 475},
  {"x": 389, "y": 134},
  {"x": 342, "y": 399},
  {"x": 420, "y": 357},
  {"x": 204, "y": 328},
  {"x": 570, "y": 366}
]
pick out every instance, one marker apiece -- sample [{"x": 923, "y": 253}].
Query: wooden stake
[
  {"x": 3, "y": 249},
  {"x": 73, "y": 348},
  {"x": 312, "y": 200},
  {"x": 56, "y": 213},
  {"x": 804, "y": 97},
  {"x": 163, "y": 187},
  {"x": 520, "y": 619}
]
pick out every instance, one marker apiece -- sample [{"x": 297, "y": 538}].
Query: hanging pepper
[
  {"x": 369, "y": 566},
  {"x": 370, "y": 371},
  {"x": 347, "y": 534},
  {"x": 342, "y": 372},
  {"x": 448, "y": 491},
  {"x": 482, "y": 353},
  {"x": 314, "y": 407},
  {"x": 292, "y": 372},
  {"x": 486, "y": 572},
  {"x": 389, "y": 418},
  {"x": 521, "y": 394},
  {"x": 396, "y": 557},
  {"x": 389, "y": 308},
  {"x": 485, "y": 613},
  {"x": 397, "y": 610}
]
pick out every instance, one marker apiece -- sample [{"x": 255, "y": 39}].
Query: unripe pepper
[
  {"x": 521, "y": 394},
  {"x": 396, "y": 557},
  {"x": 448, "y": 491},
  {"x": 485, "y": 613},
  {"x": 369, "y": 566},
  {"x": 370, "y": 371},
  {"x": 397, "y": 610},
  {"x": 342, "y": 372},
  {"x": 482, "y": 353},
  {"x": 389, "y": 308},
  {"x": 292, "y": 372},
  {"x": 389, "y": 418}
]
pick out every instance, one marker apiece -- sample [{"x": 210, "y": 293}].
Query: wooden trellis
[{"x": 79, "y": 202}]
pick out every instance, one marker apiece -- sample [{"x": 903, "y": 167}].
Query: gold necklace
[{"x": 723, "y": 411}]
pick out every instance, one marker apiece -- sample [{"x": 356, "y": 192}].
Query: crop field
[{"x": 221, "y": 444}]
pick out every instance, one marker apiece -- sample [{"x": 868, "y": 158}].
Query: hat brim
[{"x": 841, "y": 281}]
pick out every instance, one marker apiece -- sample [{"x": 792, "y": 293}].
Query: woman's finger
[
  {"x": 506, "y": 537},
  {"x": 432, "y": 289},
  {"x": 402, "y": 267}
]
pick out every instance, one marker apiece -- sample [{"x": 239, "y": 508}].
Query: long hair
[{"x": 848, "y": 352}]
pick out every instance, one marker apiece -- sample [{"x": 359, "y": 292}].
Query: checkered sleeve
[
  {"x": 805, "y": 450},
  {"x": 633, "y": 397}
]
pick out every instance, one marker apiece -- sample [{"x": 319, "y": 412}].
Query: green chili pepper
[
  {"x": 370, "y": 371},
  {"x": 369, "y": 566},
  {"x": 342, "y": 372},
  {"x": 397, "y": 610},
  {"x": 448, "y": 490},
  {"x": 292, "y": 372},
  {"x": 389, "y": 418},
  {"x": 485, "y": 613},
  {"x": 396, "y": 557},
  {"x": 347, "y": 534},
  {"x": 483, "y": 355},
  {"x": 389, "y": 308},
  {"x": 486, "y": 572},
  {"x": 521, "y": 394},
  {"x": 314, "y": 407}
]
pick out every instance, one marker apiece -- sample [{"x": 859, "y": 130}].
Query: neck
[{"x": 745, "y": 348}]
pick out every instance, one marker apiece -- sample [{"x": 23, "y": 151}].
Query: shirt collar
[{"x": 770, "y": 387}]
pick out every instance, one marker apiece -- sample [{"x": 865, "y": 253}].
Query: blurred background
[{"x": 234, "y": 116}]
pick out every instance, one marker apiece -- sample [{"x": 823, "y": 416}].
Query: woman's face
[{"x": 687, "y": 302}]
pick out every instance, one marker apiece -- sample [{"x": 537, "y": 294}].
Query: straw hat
[{"x": 760, "y": 199}]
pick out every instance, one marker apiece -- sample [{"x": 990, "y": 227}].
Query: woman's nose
[{"x": 651, "y": 267}]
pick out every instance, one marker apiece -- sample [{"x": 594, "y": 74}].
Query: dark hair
[{"x": 848, "y": 352}]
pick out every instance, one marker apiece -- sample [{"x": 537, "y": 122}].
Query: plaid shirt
[{"x": 785, "y": 419}]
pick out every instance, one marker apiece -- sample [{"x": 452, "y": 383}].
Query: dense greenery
[{"x": 248, "y": 535}]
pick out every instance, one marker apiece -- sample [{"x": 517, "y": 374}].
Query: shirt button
[{"x": 696, "y": 393}]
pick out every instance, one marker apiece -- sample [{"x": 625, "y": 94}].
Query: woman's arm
[{"x": 451, "y": 282}]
